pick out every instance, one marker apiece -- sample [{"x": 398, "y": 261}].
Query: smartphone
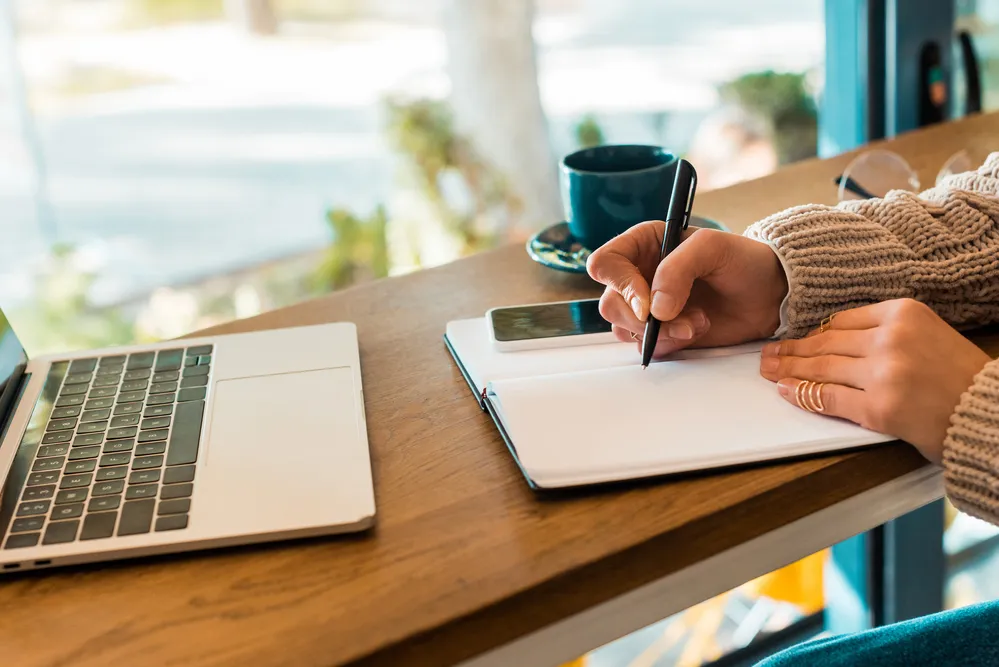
[{"x": 548, "y": 325}]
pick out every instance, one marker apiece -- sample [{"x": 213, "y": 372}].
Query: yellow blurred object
[
  {"x": 578, "y": 662},
  {"x": 799, "y": 583}
]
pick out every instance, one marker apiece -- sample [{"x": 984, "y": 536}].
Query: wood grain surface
[{"x": 464, "y": 556}]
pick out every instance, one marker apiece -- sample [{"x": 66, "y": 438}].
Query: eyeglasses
[{"x": 875, "y": 173}]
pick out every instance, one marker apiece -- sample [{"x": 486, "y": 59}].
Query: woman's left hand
[{"x": 894, "y": 367}]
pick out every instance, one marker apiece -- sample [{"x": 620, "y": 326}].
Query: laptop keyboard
[{"x": 118, "y": 451}]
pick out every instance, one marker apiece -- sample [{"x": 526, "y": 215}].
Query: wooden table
[{"x": 466, "y": 564}]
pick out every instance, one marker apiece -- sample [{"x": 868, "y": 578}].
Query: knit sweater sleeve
[{"x": 940, "y": 247}]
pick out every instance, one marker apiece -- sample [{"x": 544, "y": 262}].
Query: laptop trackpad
[{"x": 275, "y": 444}]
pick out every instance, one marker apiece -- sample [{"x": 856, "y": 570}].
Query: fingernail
[
  {"x": 663, "y": 304},
  {"x": 769, "y": 364},
  {"x": 638, "y": 307},
  {"x": 681, "y": 331},
  {"x": 784, "y": 388},
  {"x": 700, "y": 320},
  {"x": 771, "y": 350}
]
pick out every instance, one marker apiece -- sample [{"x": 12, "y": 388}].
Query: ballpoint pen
[{"x": 677, "y": 218}]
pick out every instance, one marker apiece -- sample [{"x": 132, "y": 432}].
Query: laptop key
[
  {"x": 166, "y": 376},
  {"x": 71, "y": 496},
  {"x": 144, "y": 462},
  {"x": 88, "y": 439},
  {"x": 53, "y": 450},
  {"x": 47, "y": 464},
  {"x": 199, "y": 350},
  {"x": 186, "y": 433},
  {"x": 106, "y": 381},
  {"x": 155, "y": 422},
  {"x": 131, "y": 396},
  {"x": 178, "y": 474},
  {"x": 190, "y": 361},
  {"x": 152, "y": 436},
  {"x": 204, "y": 360},
  {"x": 32, "y": 508},
  {"x": 127, "y": 408},
  {"x": 60, "y": 413},
  {"x": 191, "y": 394},
  {"x": 144, "y": 476},
  {"x": 36, "y": 478},
  {"x": 74, "y": 467},
  {"x": 172, "y": 522},
  {"x": 111, "y": 360},
  {"x": 126, "y": 420},
  {"x": 67, "y": 401},
  {"x": 21, "y": 540},
  {"x": 78, "y": 453},
  {"x": 77, "y": 378},
  {"x": 150, "y": 448},
  {"x": 95, "y": 415},
  {"x": 196, "y": 370},
  {"x": 56, "y": 437},
  {"x": 140, "y": 360},
  {"x": 162, "y": 387},
  {"x": 60, "y": 532},
  {"x": 82, "y": 365},
  {"x": 28, "y": 524},
  {"x": 98, "y": 526},
  {"x": 177, "y": 491},
  {"x": 104, "y": 503},
  {"x": 38, "y": 492},
  {"x": 196, "y": 381},
  {"x": 60, "y": 424},
  {"x": 76, "y": 481},
  {"x": 158, "y": 411},
  {"x": 133, "y": 385},
  {"x": 161, "y": 399},
  {"x": 109, "y": 371},
  {"x": 115, "y": 460},
  {"x": 99, "y": 403},
  {"x": 73, "y": 389},
  {"x": 178, "y": 506},
  {"x": 136, "y": 517},
  {"x": 141, "y": 491},
  {"x": 70, "y": 511},
  {"x": 169, "y": 360},
  {"x": 112, "y": 473},
  {"x": 111, "y": 488},
  {"x": 103, "y": 392},
  {"x": 112, "y": 446},
  {"x": 92, "y": 427},
  {"x": 122, "y": 432}
]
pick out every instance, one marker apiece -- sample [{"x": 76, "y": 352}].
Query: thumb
[
  {"x": 621, "y": 275},
  {"x": 698, "y": 256}
]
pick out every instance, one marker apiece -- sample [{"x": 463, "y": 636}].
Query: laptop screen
[{"x": 12, "y": 361}]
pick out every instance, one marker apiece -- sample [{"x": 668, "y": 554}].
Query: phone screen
[{"x": 549, "y": 320}]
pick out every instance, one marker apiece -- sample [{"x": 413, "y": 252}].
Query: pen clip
[{"x": 690, "y": 197}]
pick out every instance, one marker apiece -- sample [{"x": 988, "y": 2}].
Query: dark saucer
[{"x": 557, "y": 249}]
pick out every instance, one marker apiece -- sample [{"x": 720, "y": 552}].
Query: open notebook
[{"x": 591, "y": 414}]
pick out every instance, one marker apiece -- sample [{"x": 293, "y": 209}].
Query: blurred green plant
[
  {"x": 782, "y": 100},
  {"x": 589, "y": 132},
  {"x": 359, "y": 250},
  {"x": 423, "y": 131},
  {"x": 61, "y": 317}
]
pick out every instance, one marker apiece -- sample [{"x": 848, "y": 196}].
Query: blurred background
[{"x": 166, "y": 165}]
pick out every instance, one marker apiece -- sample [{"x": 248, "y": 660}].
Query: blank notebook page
[{"x": 623, "y": 423}]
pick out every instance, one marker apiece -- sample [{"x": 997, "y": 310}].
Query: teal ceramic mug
[{"x": 607, "y": 189}]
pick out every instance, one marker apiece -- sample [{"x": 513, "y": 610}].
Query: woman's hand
[
  {"x": 894, "y": 367},
  {"x": 714, "y": 289}
]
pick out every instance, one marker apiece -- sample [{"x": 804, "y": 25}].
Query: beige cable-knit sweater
[{"x": 940, "y": 247}]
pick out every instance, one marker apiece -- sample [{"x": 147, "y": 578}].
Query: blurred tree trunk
[
  {"x": 254, "y": 16},
  {"x": 496, "y": 99}
]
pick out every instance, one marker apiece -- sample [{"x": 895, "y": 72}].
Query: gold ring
[
  {"x": 826, "y": 323},
  {"x": 799, "y": 395},
  {"x": 815, "y": 396},
  {"x": 634, "y": 336}
]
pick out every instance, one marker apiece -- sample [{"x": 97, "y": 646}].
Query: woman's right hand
[{"x": 715, "y": 289}]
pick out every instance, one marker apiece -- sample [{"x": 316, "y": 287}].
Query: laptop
[{"x": 183, "y": 445}]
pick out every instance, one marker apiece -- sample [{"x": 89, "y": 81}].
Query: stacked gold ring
[
  {"x": 809, "y": 396},
  {"x": 826, "y": 323}
]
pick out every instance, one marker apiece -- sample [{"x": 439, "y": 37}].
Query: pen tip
[{"x": 644, "y": 366}]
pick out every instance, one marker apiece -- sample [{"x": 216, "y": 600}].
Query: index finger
[{"x": 622, "y": 262}]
